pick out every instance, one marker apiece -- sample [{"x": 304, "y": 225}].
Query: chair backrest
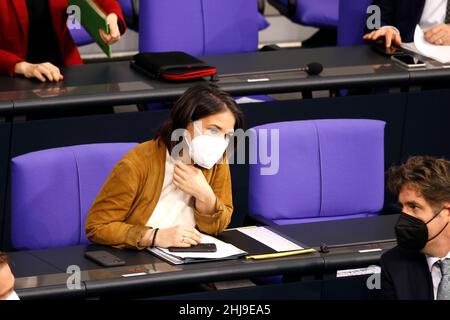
[
  {"x": 327, "y": 169},
  {"x": 318, "y": 13},
  {"x": 198, "y": 27},
  {"x": 80, "y": 36},
  {"x": 52, "y": 191},
  {"x": 352, "y": 19}
]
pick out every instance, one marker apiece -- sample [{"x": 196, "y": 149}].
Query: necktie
[
  {"x": 447, "y": 15},
  {"x": 444, "y": 286}
]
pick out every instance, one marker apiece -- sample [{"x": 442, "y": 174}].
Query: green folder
[{"x": 93, "y": 18}]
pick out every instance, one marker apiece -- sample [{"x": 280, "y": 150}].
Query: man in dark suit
[
  {"x": 418, "y": 268},
  {"x": 400, "y": 17}
]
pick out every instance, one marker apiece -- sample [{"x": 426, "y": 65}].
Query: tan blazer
[{"x": 130, "y": 194}]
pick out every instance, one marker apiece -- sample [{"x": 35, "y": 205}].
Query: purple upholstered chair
[
  {"x": 52, "y": 191},
  {"x": 328, "y": 169},
  {"x": 81, "y": 36},
  {"x": 316, "y": 13},
  {"x": 352, "y": 18},
  {"x": 198, "y": 27}
]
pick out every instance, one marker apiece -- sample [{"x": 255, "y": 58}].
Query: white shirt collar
[{"x": 432, "y": 260}]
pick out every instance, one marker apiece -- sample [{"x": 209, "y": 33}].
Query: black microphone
[{"x": 312, "y": 68}]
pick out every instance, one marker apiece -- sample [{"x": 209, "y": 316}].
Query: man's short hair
[
  {"x": 428, "y": 176},
  {"x": 3, "y": 258}
]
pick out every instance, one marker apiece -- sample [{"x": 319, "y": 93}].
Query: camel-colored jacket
[{"x": 130, "y": 194}]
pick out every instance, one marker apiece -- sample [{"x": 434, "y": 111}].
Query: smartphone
[
  {"x": 104, "y": 258},
  {"x": 201, "y": 247},
  {"x": 408, "y": 61},
  {"x": 380, "y": 47}
]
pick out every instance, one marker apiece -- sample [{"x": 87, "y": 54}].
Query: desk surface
[
  {"x": 115, "y": 83},
  {"x": 43, "y": 273}
]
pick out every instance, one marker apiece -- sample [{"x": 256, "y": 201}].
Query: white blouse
[{"x": 174, "y": 206}]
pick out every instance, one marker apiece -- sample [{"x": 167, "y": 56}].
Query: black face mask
[{"x": 412, "y": 233}]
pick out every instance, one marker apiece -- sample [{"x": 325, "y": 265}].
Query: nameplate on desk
[
  {"x": 127, "y": 275},
  {"x": 358, "y": 272},
  {"x": 258, "y": 80},
  {"x": 369, "y": 250}
]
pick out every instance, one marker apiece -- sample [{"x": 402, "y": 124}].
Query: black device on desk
[
  {"x": 381, "y": 48},
  {"x": 201, "y": 247},
  {"x": 104, "y": 258},
  {"x": 408, "y": 61}
]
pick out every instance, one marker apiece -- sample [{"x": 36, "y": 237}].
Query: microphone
[{"x": 312, "y": 69}]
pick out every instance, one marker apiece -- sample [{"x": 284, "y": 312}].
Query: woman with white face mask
[
  {"x": 6, "y": 280},
  {"x": 166, "y": 191}
]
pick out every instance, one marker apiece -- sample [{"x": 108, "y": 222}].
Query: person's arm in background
[
  {"x": 12, "y": 64},
  {"x": 8, "y": 62},
  {"x": 115, "y": 19},
  {"x": 387, "y": 30}
]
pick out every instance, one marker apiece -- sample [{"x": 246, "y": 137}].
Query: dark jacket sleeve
[
  {"x": 387, "y": 11},
  {"x": 387, "y": 291}
]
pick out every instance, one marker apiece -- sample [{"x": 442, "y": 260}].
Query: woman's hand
[
  {"x": 438, "y": 34},
  {"x": 114, "y": 34},
  {"x": 42, "y": 71},
  {"x": 391, "y": 36},
  {"x": 177, "y": 236},
  {"x": 191, "y": 180}
]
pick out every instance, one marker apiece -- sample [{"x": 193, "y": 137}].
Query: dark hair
[
  {"x": 429, "y": 176},
  {"x": 3, "y": 258},
  {"x": 198, "y": 102}
]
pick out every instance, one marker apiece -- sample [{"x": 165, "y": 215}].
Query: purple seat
[
  {"x": 352, "y": 19},
  {"x": 316, "y": 13},
  {"x": 198, "y": 27},
  {"x": 262, "y": 22},
  {"x": 328, "y": 169},
  {"x": 81, "y": 36},
  {"x": 52, "y": 191}
]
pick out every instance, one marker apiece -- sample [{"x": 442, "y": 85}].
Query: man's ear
[{"x": 447, "y": 206}]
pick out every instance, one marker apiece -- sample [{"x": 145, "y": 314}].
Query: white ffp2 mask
[{"x": 206, "y": 150}]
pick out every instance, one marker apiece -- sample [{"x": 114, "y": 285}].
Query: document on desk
[
  {"x": 224, "y": 251},
  {"x": 270, "y": 239},
  {"x": 263, "y": 243},
  {"x": 423, "y": 47}
]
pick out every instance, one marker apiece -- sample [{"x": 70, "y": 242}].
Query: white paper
[
  {"x": 224, "y": 250},
  {"x": 243, "y": 100},
  {"x": 438, "y": 53},
  {"x": 270, "y": 239}
]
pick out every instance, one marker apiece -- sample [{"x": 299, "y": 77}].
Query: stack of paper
[
  {"x": 224, "y": 251},
  {"x": 423, "y": 47}
]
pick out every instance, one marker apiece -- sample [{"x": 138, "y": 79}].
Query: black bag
[{"x": 172, "y": 66}]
